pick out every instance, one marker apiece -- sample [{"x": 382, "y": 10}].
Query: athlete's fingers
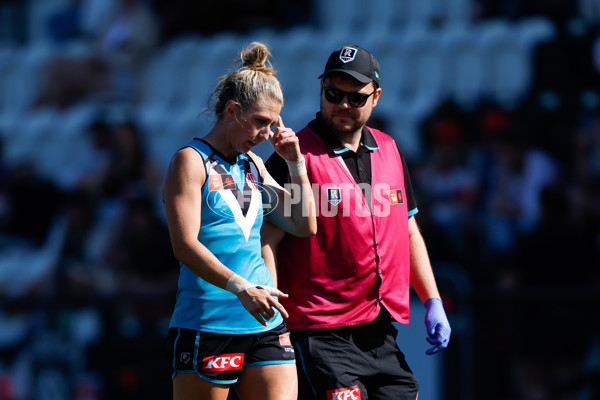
[
  {"x": 271, "y": 302},
  {"x": 287, "y": 138},
  {"x": 255, "y": 303},
  {"x": 268, "y": 313},
  {"x": 282, "y": 310},
  {"x": 277, "y": 132},
  {"x": 259, "y": 318},
  {"x": 264, "y": 315},
  {"x": 272, "y": 291},
  {"x": 280, "y": 128}
]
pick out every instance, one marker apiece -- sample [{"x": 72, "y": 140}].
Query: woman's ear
[{"x": 232, "y": 110}]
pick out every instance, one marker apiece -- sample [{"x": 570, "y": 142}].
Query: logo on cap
[{"x": 347, "y": 54}]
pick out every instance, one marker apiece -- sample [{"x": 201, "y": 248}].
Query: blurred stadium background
[{"x": 496, "y": 104}]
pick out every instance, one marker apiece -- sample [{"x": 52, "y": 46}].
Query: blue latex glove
[{"x": 438, "y": 327}]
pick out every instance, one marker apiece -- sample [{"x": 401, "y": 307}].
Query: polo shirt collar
[{"x": 318, "y": 126}]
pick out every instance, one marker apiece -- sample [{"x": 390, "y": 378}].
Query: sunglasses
[{"x": 356, "y": 100}]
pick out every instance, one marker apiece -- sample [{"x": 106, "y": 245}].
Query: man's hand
[{"x": 438, "y": 327}]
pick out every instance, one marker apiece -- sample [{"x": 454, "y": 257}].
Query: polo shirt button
[
  {"x": 379, "y": 272},
  {"x": 381, "y": 298}
]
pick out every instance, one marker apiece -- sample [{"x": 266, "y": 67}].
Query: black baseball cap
[{"x": 354, "y": 61}]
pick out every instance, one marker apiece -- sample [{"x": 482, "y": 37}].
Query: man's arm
[
  {"x": 423, "y": 281},
  {"x": 421, "y": 273}
]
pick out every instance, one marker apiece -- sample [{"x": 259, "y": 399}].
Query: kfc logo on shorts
[
  {"x": 284, "y": 339},
  {"x": 349, "y": 393},
  {"x": 223, "y": 362}
]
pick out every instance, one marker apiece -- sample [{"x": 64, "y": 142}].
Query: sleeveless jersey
[{"x": 232, "y": 215}]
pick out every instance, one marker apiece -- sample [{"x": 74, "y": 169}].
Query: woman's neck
[{"x": 218, "y": 139}]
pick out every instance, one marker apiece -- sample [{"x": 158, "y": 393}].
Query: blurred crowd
[
  {"x": 96, "y": 251},
  {"x": 507, "y": 193},
  {"x": 512, "y": 194}
]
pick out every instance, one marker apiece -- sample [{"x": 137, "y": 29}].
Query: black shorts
[
  {"x": 354, "y": 362},
  {"x": 221, "y": 358}
]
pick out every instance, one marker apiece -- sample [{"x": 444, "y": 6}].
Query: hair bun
[{"x": 254, "y": 57}]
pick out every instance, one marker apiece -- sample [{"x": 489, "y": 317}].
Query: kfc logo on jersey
[
  {"x": 223, "y": 362},
  {"x": 215, "y": 182},
  {"x": 347, "y": 54},
  {"x": 396, "y": 196},
  {"x": 349, "y": 393}
]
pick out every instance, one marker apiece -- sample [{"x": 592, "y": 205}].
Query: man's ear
[{"x": 376, "y": 97}]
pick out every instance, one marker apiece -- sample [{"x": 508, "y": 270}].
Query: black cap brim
[{"x": 356, "y": 75}]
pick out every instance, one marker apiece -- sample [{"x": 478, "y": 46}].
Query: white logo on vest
[{"x": 334, "y": 196}]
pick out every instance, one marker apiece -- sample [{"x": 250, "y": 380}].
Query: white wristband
[
  {"x": 236, "y": 284},
  {"x": 297, "y": 168}
]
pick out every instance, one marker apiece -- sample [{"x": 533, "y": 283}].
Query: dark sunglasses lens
[
  {"x": 333, "y": 95},
  {"x": 357, "y": 99}
]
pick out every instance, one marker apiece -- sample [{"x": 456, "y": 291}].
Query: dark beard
[{"x": 346, "y": 130}]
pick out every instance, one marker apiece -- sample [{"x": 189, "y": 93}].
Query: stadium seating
[{"x": 428, "y": 51}]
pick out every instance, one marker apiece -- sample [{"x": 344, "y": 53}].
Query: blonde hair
[{"x": 253, "y": 79}]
